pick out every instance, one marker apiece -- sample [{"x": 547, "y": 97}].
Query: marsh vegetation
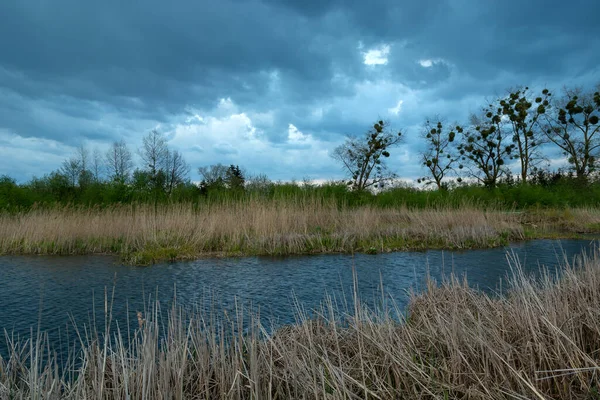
[{"x": 144, "y": 233}]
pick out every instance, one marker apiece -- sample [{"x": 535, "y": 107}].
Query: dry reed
[
  {"x": 540, "y": 341},
  {"x": 144, "y": 234}
]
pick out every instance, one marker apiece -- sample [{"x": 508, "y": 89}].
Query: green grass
[{"x": 564, "y": 192}]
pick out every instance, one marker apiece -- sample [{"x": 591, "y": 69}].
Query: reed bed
[
  {"x": 143, "y": 233},
  {"x": 539, "y": 341}
]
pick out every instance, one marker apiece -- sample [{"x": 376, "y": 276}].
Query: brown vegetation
[{"x": 144, "y": 234}]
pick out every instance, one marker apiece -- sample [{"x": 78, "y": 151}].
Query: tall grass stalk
[
  {"x": 539, "y": 341},
  {"x": 144, "y": 234}
]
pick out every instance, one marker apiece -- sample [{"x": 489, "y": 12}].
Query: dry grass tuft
[
  {"x": 540, "y": 341},
  {"x": 144, "y": 234}
]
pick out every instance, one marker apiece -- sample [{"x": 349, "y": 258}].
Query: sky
[{"x": 270, "y": 85}]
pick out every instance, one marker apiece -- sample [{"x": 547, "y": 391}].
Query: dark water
[{"x": 51, "y": 292}]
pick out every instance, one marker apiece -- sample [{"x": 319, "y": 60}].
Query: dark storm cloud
[
  {"x": 72, "y": 70},
  {"x": 529, "y": 38},
  {"x": 158, "y": 50}
]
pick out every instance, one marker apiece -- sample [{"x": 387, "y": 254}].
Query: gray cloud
[{"x": 78, "y": 72}]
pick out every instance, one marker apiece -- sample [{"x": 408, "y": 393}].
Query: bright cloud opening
[
  {"x": 233, "y": 138},
  {"x": 396, "y": 110},
  {"x": 377, "y": 56},
  {"x": 295, "y": 135},
  {"x": 430, "y": 62}
]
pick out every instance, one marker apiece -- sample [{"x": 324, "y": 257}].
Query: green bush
[{"x": 552, "y": 191}]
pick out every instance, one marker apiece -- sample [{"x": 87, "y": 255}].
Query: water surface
[{"x": 51, "y": 292}]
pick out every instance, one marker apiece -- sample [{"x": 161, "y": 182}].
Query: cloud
[
  {"x": 430, "y": 62},
  {"x": 273, "y": 86},
  {"x": 396, "y": 110},
  {"x": 235, "y": 139},
  {"x": 296, "y": 137},
  {"x": 377, "y": 56},
  {"x": 28, "y": 155}
]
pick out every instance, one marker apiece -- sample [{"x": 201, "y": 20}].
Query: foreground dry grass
[
  {"x": 541, "y": 341},
  {"x": 143, "y": 234}
]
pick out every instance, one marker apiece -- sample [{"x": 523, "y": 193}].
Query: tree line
[
  {"x": 93, "y": 177},
  {"x": 509, "y": 131}
]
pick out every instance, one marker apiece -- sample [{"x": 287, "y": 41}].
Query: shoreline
[
  {"x": 122, "y": 258},
  {"x": 368, "y": 251}
]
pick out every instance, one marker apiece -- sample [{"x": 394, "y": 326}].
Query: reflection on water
[{"x": 49, "y": 291}]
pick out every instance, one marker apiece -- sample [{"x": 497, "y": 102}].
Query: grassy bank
[
  {"x": 143, "y": 234},
  {"x": 540, "y": 341}
]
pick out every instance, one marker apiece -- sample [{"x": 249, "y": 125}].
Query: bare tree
[
  {"x": 154, "y": 152},
  {"x": 119, "y": 161},
  {"x": 97, "y": 164},
  {"x": 176, "y": 170},
  {"x": 83, "y": 155},
  {"x": 85, "y": 176},
  {"x": 259, "y": 183},
  {"x": 213, "y": 175},
  {"x": 76, "y": 168},
  {"x": 439, "y": 157},
  {"x": 574, "y": 128},
  {"x": 363, "y": 158},
  {"x": 71, "y": 169}
]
